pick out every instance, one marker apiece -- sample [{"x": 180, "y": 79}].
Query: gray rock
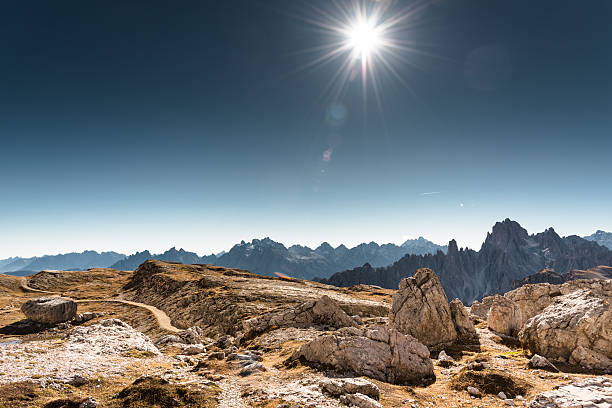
[
  {"x": 444, "y": 360},
  {"x": 379, "y": 352},
  {"x": 420, "y": 309},
  {"x": 502, "y": 395},
  {"x": 77, "y": 380},
  {"x": 593, "y": 392},
  {"x": 50, "y": 310},
  {"x": 542, "y": 363},
  {"x": 575, "y": 328},
  {"x": 193, "y": 349},
  {"x": 89, "y": 403},
  {"x": 359, "y": 400},
  {"x": 474, "y": 392},
  {"x": 224, "y": 341},
  {"x": 464, "y": 326},
  {"x": 218, "y": 355},
  {"x": 168, "y": 338},
  {"x": 192, "y": 335},
  {"x": 322, "y": 312},
  {"x": 341, "y": 386},
  {"x": 504, "y": 316},
  {"x": 251, "y": 368}
]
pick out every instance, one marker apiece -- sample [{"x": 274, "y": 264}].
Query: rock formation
[
  {"x": 593, "y": 392},
  {"x": 504, "y": 316},
  {"x": 322, "y": 312},
  {"x": 575, "y": 328},
  {"x": 420, "y": 308},
  {"x": 379, "y": 352},
  {"x": 464, "y": 326},
  {"x": 509, "y": 254},
  {"x": 50, "y": 310}
]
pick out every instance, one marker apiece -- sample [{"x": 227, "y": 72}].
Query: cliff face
[{"x": 509, "y": 254}]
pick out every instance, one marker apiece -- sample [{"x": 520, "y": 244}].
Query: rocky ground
[{"x": 235, "y": 339}]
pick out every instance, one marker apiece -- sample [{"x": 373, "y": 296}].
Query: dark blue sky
[{"x": 128, "y": 125}]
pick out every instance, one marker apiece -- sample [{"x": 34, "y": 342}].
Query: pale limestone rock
[
  {"x": 322, "y": 312},
  {"x": 340, "y": 386},
  {"x": 593, "y": 392},
  {"x": 360, "y": 401},
  {"x": 50, "y": 310},
  {"x": 420, "y": 308},
  {"x": 575, "y": 328},
  {"x": 379, "y": 352},
  {"x": 539, "y": 362},
  {"x": 464, "y": 326},
  {"x": 504, "y": 316}
]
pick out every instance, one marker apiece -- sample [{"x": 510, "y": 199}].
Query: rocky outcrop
[
  {"x": 504, "y": 316},
  {"x": 509, "y": 254},
  {"x": 380, "y": 352},
  {"x": 322, "y": 312},
  {"x": 341, "y": 386},
  {"x": 50, "y": 310},
  {"x": 480, "y": 310},
  {"x": 420, "y": 308},
  {"x": 575, "y": 328},
  {"x": 109, "y": 337},
  {"x": 508, "y": 313},
  {"x": 464, "y": 326},
  {"x": 593, "y": 392}
]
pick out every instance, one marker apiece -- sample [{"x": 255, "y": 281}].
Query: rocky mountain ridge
[
  {"x": 603, "y": 238},
  {"x": 509, "y": 254},
  {"x": 268, "y": 257},
  {"x": 70, "y": 261}
]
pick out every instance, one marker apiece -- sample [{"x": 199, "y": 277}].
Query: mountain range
[
  {"x": 268, "y": 257},
  {"x": 603, "y": 238},
  {"x": 508, "y": 254},
  {"x": 71, "y": 261},
  {"x": 262, "y": 256}
]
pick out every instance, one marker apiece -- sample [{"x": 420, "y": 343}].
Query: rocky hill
[
  {"x": 602, "y": 238},
  {"x": 268, "y": 257},
  {"x": 199, "y": 336},
  {"x": 509, "y": 254},
  {"x": 71, "y": 261}
]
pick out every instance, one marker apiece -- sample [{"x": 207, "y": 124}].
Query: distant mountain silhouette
[
  {"x": 268, "y": 257},
  {"x": 172, "y": 255},
  {"x": 603, "y": 238},
  {"x": 71, "y": 261},
  {"x": 509, "y": 254}
]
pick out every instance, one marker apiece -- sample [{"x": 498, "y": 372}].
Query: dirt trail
[
  {"x": 24, "y": 286},
  {"x": 162, "y": 318}
]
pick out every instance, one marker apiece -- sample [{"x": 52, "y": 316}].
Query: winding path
[{"x": 162, "y": 318}]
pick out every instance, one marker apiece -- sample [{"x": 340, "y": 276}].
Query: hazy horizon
[
  {"x": 127, "y": 126},
  {"x": 201, "y": 251}
]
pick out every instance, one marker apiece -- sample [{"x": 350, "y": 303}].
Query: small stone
[
  {"x": 217, "y": 355},
  {"x": 539, "y": 362},
  {"x": 359, "y": 400},
  {"x": 502, "y": 395},
  {"x": 89, "y": 403},
  {"x": 473, "y": 391}
]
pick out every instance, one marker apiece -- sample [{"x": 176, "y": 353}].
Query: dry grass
[{"x": 154, "y": 392}]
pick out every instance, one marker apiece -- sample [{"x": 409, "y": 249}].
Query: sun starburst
[{"x": 371, "y": 38}]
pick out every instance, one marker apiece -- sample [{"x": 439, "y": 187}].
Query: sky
[{"x": 197, "y": 124}]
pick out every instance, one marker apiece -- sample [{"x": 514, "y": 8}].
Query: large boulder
[
  {"x": 504, "y": 316},
  {"x": 322, "y": 312},
  {"x": 464, "y": 326},
  {"x": 592, "y": 392},
  {"x": 50, "y": 310},
  {"x": 381, "y": 353},
  {"x": 480, "y": 310},
  {"x": 575, "y": 328},
  {"x": 420, "y": 309}
]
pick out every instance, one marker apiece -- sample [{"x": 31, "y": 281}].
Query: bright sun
[{"x": 363, "y": 39}]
